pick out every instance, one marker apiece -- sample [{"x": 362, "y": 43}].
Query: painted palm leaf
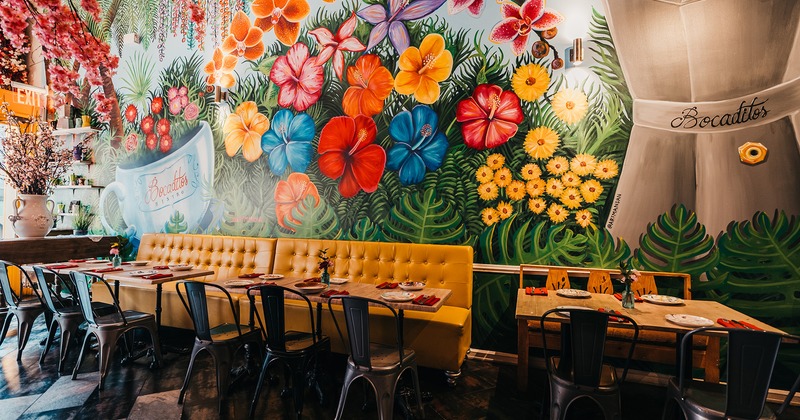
[
  {"x": 602, "y": 251},
  {"x": 423, "y": 218},
  {"x": 317, "y": 221},
  {"x": 531, "y": 244},
  {"x": 365, "y": 230}
]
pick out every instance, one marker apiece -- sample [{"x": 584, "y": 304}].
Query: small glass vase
[
  {"x": 325, "y": 277},
  {"x": 116, "y": 260},
  {"x": 627, "y": 297}
]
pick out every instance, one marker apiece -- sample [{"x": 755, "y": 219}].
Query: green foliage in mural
[
  {"x": 424, "y": 218},
  {"x": 176, "y": 223},
  {"x": 365, "y": 230},
  {"x": 535, "y": 244},
  {"x": 136, "y": 85},
  {"x": 316, "y": 221},
  {"x": 602, "y": 251},
  {"x": 676, "y": 242}
]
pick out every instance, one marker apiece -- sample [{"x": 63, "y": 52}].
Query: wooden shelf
[
  {"x": 79, "y": 187},
  {"x": 67, "y": 214},
  {"x": 74, "y": 131}
]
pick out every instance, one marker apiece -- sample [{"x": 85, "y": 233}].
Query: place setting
[{"x": 573, "y": 293}]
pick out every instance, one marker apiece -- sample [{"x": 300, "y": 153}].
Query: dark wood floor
[{"x": 485, "y": 391}]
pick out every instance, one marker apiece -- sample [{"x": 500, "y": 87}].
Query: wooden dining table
[{"x": 648, "y": 316}]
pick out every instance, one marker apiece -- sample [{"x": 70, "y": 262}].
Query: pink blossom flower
[
  {"x": 172, "y": 93},
  {"x": 131, "y": 142},
  {"x": 300, "y": 78},
  {"x": 175, "y": 106},
  {"x": 519, "y": 21},
  {"x": 333, "y": 45},
  {"x": 191, "y": 112}
]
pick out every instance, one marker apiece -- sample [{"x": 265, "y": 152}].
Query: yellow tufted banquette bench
[{"x": 440, "y": 339}]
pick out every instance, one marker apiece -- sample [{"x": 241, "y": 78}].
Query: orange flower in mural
[
  {"x": 244, "y": 39},
  {"x": 282, "y": 15},
  {"x": 421, "y": 69},
  {"x": 370, "y": 85},
  {"x": 290, "y": 193},
  {"x": 244, "y": 129},
  {"x": 219, "y": 70}
]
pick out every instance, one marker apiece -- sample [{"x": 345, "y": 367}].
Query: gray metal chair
[
  {"x": 66, "y": 315},
  {"x": 751, "y": 361},
  {"x": 379, "y": 364},
  {"x": 109, "y": 328},
  {"x": 580, "y": 372},
  {"x": 221, "y": 342},
  {"x": 26, "y": 311}
]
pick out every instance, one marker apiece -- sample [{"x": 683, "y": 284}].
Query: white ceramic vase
[{"x": 33, "y": 216}]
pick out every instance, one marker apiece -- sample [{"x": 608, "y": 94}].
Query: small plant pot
[{"x": 79, "y": 232}]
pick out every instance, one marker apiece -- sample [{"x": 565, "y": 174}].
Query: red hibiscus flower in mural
[
  {"x": 347, "y": 150},
  {"x": 489, "y": 118},
  {"x": 282, "y": 15},
  {"x": 290, "y": 193},
  {"x": 333, "y": 45},
  {"x": 244, "y": 40},
  {"x": 299, "y": 77},
  {"x": 519, "y": 21}
]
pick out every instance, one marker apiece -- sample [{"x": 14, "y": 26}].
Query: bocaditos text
[{"x": 691, "y": 118}]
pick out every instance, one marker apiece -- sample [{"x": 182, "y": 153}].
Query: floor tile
[
  {"x": 12, "y": 408},
  {"x": 66, "y": 393},
  {"x": 162, "y": 406}
]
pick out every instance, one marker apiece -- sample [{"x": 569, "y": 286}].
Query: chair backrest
[
  {"x": 50, "y": 296},
  {"x": 81, "y": 282},
  {"x": 600, "y": 282},
  {"x": 11, "y": 298},
  {"x": 588, "y": 330},
  {"x": 197, "y": 306},
  {"x": 751, "y": 360},
  {"x": 356, "y": 315},
  {"x": 645, "y": 285},
  {"x": 557, "y": 278},
  {"x": 273, "y": 305}
]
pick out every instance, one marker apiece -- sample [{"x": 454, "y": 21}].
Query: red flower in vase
[
  {"x": 151, "y": 142},
  {"x": 157, "y": 105},
  {"x": 131, "y": 113},
  {"x": 162, "y": 127},
  {"x": 347, "y": 151},
  {"x": 147, "y": 124},
  {"x": 165, "y": 144}
]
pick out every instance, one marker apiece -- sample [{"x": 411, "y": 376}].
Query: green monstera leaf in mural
[
  {"x": 317, "y": 221},
  {"x": 677, "y": 243},
  {"x": 425, "y": 219},
  {"x": 176, "y": 223},
  {"x": 365, "y": 230},
  {"x": 602, "y": 251}
]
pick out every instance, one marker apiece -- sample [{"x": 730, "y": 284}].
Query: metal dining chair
[
  {"x": 26, "y": 311},
  {"x": 221, "y": 342},
  {"x": 295, "y": 349},
  {"x": 66, "y": 315},
  {"x": 109, "y": 328},
  {"x": 379, "y": 364},
  {"x": 751, "y": 361},
  {"x": 580, "y": 371}
]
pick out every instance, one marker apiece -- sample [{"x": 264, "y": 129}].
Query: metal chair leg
[
  {"x": 108, "y": 343},
  {"x": 51, "y": 333},
  {"x": 25, "y": 327},
  {"x": 195, "y": 351},
  {"x": 6, "y": 325},
  {"x": 260, "y": 384},
  {"x": 80, "y": 356},
  {"x": 349, "y": 376},
  {"x": 418, "y": 390}
]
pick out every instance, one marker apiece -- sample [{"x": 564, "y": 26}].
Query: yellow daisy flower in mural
[
  {"x": 502, "y": 177},
  {"x": 490, "y": 216},
  {"x": 606, "y": 169},
  {"x": 583, "y": 164},
  {"x": 554, "y": 187},
  {"x": 535, "y": 187},
  {"x": 557, "y": 165},
  {"x": 505, "y": 210},
  {"x": 516, "y": 190},
  {"x": 571, "y": 198},
  {"x": 584, "y": 218},
  {"x": 537, "y": 205},
  {"x": 488, "y": 191},
  {"x": 495, "y": 161},
  {"x": 530, "y": 82},
  {"x": 531, "y": 171},
  {"x": 541, "y": 142},
  {"x": 591, "y": 190},
  {"x": 570, "y": 105},
  {"x": 484, "y": 174},
  {"x": 570, "y": 179},
  {"x": 557, "y": 213},
  {"x": 243, "y": 130}
]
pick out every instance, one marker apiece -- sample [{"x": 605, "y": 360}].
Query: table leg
[
  {"x": 116, "y": 289},
  {"x": 522, "y": 355},
  {"x": 565, "y": 363},
  {"x": 319, "y": 320},
  {"x": 400, "y": 315},
  {"x": 159, "y": 288}
]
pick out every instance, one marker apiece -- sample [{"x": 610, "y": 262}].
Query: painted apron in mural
[
  {"x": 150, "y": 194},
  {"x": 707, "y": 77}
]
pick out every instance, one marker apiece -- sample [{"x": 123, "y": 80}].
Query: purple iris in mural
[
  {"x": 288, "y": 141},
  {"x": 419, "y": 144},
  {"x": 391, "y": 22}
]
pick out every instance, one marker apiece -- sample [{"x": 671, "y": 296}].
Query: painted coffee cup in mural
[{"x": 149, "y": 194}]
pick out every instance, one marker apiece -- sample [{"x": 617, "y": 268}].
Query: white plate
[
  {"x": 180, "y": 267},
  {"x": 339, "y": 280},
  {"x": 141, "y": 273},
  {"x": 686, "y": 320},
  {"x": 398, "y": 296},
  {"x": 573, "y": 293},
  {"x": 271, "y": 276},
  {"x": 662, "y": 299},
  {"x": 238, "y": 283},
  {"x": 412, "y": 285},
  {"x": 310, "y": 287},
  {"x": 565, "y": 308},
  {"x": 139, "y": 263},
  {"x": 97, "y": 262}
]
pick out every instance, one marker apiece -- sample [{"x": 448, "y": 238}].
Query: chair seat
[
  {"x": 115, "y": 320},
  {"x": 30, "y": 304},
  {"x": 708, "y": 399},
  {"x": 226, "y": 332},
  {"x": 608, "y": 375},
  {"x": 384, "y": 358}
]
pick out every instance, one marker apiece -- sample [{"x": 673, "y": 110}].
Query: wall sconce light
[
  {"x": 576, "y": 52},
  {"x": 219, "y": 95}
]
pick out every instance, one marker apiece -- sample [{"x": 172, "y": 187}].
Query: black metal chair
[
  {"x": 66, "y": 315},
  {"x": 751, "y": 361},
  {"x": 295, "y": 349},
  {"x": 222, "y": 341},
  {"x": 26, "y": 311},
  {"x": 379, "y": 364},
  {"x": 580, "y": 371},
  {"x": 109, "y": 328}
]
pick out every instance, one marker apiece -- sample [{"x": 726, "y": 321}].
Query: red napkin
[
  {"x": 730, "y": 323},
  {"x": 431, "y": 301},
  {"x": 613, "y": 318},
  {"x": 157, "y": 276},
  {"x": 107, "y": 269},
  {"x": 250, "y": 276},
  {"x": 635, "y": 298},
  {"x": 427, "y": 300},
  {"x": 751, "y": 326},
  {"x": 536, "y": 291},
  {"x": 332, "y": 292},
  {"x": 387, "y": 285},
  {"x": 61, "y": 266},
  {"x": 78, "y": 261},
  {"x": 161, "y": 267}
]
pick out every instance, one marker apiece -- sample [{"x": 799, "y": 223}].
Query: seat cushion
[{"x": 709, "y": 399}]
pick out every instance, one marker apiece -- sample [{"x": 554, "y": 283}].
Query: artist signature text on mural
[{"x": 691, "y": 117}]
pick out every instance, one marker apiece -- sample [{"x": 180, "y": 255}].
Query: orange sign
[{"x": 24, "y": 101}]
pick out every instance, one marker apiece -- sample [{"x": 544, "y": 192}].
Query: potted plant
[{"x": 82, "y": 220}]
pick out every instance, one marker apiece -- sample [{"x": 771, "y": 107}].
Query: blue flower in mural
[
  {"x": 288, "y": 141},
  {"x": 419, "y": 144},
  {"x": 391, "y": 22}
]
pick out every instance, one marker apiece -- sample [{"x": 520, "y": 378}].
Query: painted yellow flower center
[
  {"x": 361, "y": 135},
  {"x": 570, "y": 105},
  {"x": 591, "y": 189},
  {"x": 428, "y": 61},
  {"x": 530, "y": 81},
  {"x": 540, "y": 142},
  {"x": 583, "y": 164}
]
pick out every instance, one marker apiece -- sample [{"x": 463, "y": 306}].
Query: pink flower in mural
[
  {"x": 282, "y": 15},
  {"x": 131, "y": 142},
  {"x": 489, "y": 118},
  {"x": 474, "y": 7},
  {"x": 519, "y": 21},
  {"x": 347, "y": 151},
  {"x": 299, "y": 77},
  {"x": 290, "y": 193},
  {"x": 333, "y": 45},
  {"x": 244, "y": 39},
  {"x": 191, "y": 112}
]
